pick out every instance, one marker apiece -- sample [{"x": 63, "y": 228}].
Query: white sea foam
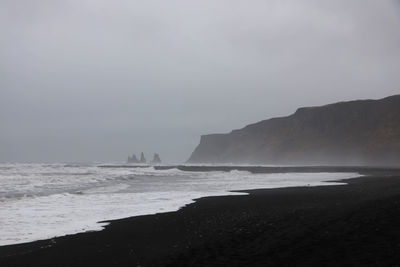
[{"x": 40, "y": 201}]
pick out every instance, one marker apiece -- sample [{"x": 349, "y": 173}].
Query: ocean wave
[{"x": 35, "y": 206}]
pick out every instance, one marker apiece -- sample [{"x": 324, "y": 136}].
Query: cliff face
[{"x": 347, "y": 133}]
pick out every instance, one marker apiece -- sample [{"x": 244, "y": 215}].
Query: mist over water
[
  {"x": 95, "y": 81},
  {"x": 41, "y": 201}
]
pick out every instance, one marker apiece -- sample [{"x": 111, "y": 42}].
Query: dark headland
[
  {"x": 345, "y": 225},
  {"x": 362, "y": 132}
]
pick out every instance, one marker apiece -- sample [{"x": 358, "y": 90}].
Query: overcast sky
[{"x": 96, "y": 80}]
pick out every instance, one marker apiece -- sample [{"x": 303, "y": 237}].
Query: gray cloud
[{"x": 97, "y": 80}]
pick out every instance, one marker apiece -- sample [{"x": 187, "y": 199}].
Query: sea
[{"x": 43, "y": 201}]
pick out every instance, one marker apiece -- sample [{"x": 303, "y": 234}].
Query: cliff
[{"x": 362, "y": 132}]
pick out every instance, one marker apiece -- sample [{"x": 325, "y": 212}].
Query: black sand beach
[{"x": 348, "y": 225}]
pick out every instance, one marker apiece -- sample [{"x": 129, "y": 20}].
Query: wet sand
[{"x": 346, "y": 225}]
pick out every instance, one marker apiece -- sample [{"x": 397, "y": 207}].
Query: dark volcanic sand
[{"x": 353, "y": 225}]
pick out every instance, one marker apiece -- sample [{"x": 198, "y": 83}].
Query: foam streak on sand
[{"x": 43, "y": 201}]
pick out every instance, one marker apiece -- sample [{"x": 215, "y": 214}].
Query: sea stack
[
  {"x": 142, "y": 158},
  {"x": 132, "y": 159},
  {"x": 156, "y": 158}
]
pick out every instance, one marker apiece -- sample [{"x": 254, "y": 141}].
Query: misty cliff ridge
[{"x": 362, "y": 132}]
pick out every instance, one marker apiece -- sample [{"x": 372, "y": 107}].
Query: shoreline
[
  {"x": 266, "y": 169},
  {"x": 227, "y": 230},
  {"x": 80, "y": 210}
]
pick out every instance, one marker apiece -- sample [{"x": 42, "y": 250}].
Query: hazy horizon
[{"x": 95, "y": 81}]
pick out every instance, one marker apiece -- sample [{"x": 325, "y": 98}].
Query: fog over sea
[{"x": 41, "y": 201}]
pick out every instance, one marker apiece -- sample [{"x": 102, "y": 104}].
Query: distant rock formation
[
  {"x": 142, "y": 158},
  {"x": 156, "y": 158},
  {"x": 132, "y": 159},
  {"x": 363, "y": 132}
]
